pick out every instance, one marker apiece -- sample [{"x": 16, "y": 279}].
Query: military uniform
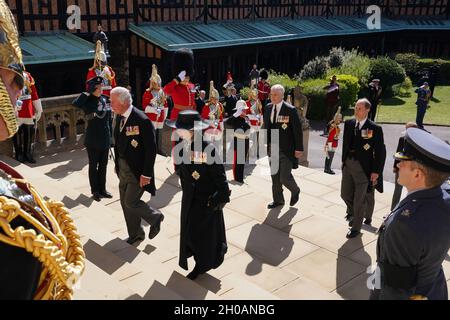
[
  {"x": 29, "y": 113},
  {"x": 423, "y": 96},
  {"x": 213, "y": 113},
  {"x": 241, "y": 126},
  {"x": 374, "y": 97},
  {"x": 415, "y": 237},
  {"x": 101, "y": 69},
  {"x": 205, "y": 193},
  {"x": 98, "y": 137},
  {"x": 332, "y": 141},
  {"x": 41, "y": 253},
  {"x": 263, "y": 88}
]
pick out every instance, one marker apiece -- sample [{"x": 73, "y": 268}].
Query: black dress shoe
[
  {"x": 352, "y": 233},
  {"x": 140, "y": 237},
  {"x": 156, "y": 227},
  {"x": 329, "y": 171},
  {"x": 29, "y": 158},
  {"x": 294, "y": 199},
  {"x": 194, "y": 274},
  {"x": 274, "y": 205},
  {"x": 96, "y": 196},
  {"x": 106, "y": 194},
  {"x": 368, "y": 222}
]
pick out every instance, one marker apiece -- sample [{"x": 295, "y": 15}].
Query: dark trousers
[
  {"x": 373, "y": 112},
  {"x": 134, "y": 209},
  {"x": 98, "y": 161},
  {"x": 360, "y": 203},
  {"x": 421, "y": 109},
  {"x": 240, "y": 156},
  {"x": 329, "y": 160},
  {"x": 22, "y": 141},
  {"x": 397, "y": 193},
  {"x": 283, "y": 177}
]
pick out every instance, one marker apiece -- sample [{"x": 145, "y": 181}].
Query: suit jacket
[
  {"x": 370, "y": 151},
  {"x": 289, "y": 128},
  {"x": 137, "y": 144}
]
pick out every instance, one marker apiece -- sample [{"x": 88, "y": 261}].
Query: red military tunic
[
  {"x": 215, "y": 130},
  {"x": 254, "y": 118},
  {"x": 183, "y": 97},
  {"x": 156, "y": 115},
  {"x": 263, "y": 90},
  {"x": 107, "y": 72},
  {"x": 31, "y": 104},
  {"x": 333, "y": 138}
]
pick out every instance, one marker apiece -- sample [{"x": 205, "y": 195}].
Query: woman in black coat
[{"x": 205, "y": 193}]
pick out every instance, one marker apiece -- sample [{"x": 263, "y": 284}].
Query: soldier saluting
[{"x": 415, "y": 238}]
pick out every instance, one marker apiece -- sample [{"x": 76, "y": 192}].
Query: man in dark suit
[
  {"x": 282, "y": 118},
  {"x": 98, "y": 135},
  {"x": 363, "y": 158},
  {"x": 230, "y": 101},
  {"x": 135, "y": 150}
]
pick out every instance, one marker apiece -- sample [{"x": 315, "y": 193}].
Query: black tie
[{"x": 357, "y": 129}]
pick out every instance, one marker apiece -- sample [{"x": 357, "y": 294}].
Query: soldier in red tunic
[
  {"x": 101, "y": 69},
  {"x": 29, "y": 111},
  {"x": 154, "y": 102},
  {"x": 213, "y": 113},
  {"x": 332, "y": 140},
  {"x": 263, "y": 88},
  {"x": 180, "y": 88}
]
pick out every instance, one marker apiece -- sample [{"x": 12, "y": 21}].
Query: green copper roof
[
  {"x": 234, "y": 33},
  {"x": 55, "y": 47}
]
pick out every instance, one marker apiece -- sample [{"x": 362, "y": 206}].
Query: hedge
[
  {"x": 444, "y": 70},
  {"x": 315, "y": 91}
]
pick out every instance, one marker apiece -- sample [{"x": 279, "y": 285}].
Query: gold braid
[{"x": 59, "y": 250}]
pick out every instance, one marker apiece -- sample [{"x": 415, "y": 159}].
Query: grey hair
[
  {"x": 124, "y": 95},
  {"x": 278, "y": 87},
  {"x": 366, "y": 103}
]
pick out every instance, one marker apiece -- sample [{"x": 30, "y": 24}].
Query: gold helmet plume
[
  {"x": 155, "y": 76},
  {"x": 213, "y": 93},
  {"x": 10, "y": 59},
  {"x": 100, "y": 55}
]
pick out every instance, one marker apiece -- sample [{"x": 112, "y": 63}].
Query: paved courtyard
[{"x": 296, "y": 252}]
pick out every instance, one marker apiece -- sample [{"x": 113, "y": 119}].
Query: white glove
[
  {"x": 38, "y": 109},
  {"x": 182, "y": 75}
]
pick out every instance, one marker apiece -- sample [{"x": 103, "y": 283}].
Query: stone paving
[{"x": 296, "y": 252}]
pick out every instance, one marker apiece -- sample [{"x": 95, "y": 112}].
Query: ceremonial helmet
[
  {"x": 253, "y": 94},
  {"x": 11, "y": 60},
  {"x": 289, "y": 99},
  {"x": 337, "y": 115},
  {"x": 100, "y": 55},
  {"x": 213, "y": 93},
  {"x": 155, "y": 76}
]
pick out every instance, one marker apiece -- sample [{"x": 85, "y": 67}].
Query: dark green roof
[
  {"x": 55, "y": 47},
  {"x": 234, "y": 33}
]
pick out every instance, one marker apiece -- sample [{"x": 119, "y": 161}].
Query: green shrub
[
  {"x": 314, "y": 69},
  {"x": 355, "y": 64},
  {"x": 336, "y": 57},
  {"x": 280, "y": 78},
  {"x": 314, "y": 89},
  {"x": 403, "y": 90},
  {"x": 388, "y": 71},
  {"x": 244, "y": 93},
  {"x": 444, "y": 70},
  {"x": 410, "y": 62},
  {"x": 349, "y": 89}
]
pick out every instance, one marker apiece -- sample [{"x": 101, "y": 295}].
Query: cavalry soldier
[
  {"x": 154, "y": 102},
  {"x": 414, "y": 238},
  {"x": 42, "y": 255},
  {"x": 29, "y": 112},
  {"x": 101, "y": 69},
  {"x": 213, "y": 113}
]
